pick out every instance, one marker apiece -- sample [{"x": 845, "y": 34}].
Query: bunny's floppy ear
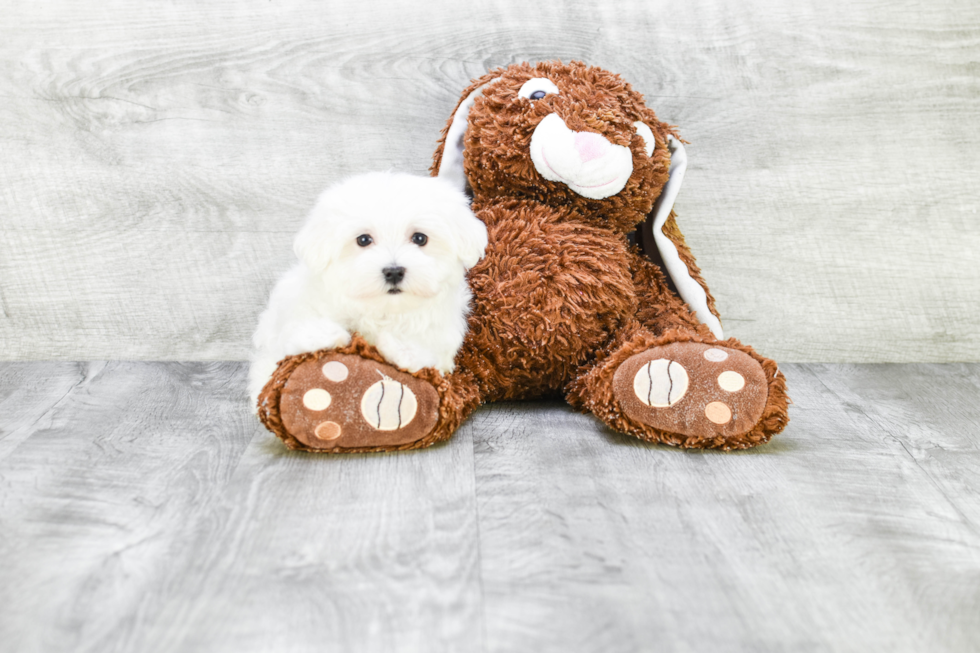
[
  {"x": 448, "y": 158},
  {"x": 670, "y": 252}
]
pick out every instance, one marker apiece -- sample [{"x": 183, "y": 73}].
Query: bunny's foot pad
[
  {"x": 334, "y": 402},
  {"x": 693, "y": 389}
]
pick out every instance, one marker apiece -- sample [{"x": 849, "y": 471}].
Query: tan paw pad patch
[
  {"x": 389, "y": 405},
  {"x": 316, "y": 399},
  {"x": 660, "y": 383},
  {"x": 731, "y": 381},
  {"x": 335, "y": 371},
  {"x": 328, "y": 431},
  {"x": 718, "y": 412},
  {"x": 715, "y": 355}
]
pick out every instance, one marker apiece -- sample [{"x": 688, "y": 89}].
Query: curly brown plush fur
[{"x": 562, "y": 299}]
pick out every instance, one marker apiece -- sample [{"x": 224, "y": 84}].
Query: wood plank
[
  {"x": 152, "y": 512},
  {"x": 149, "y": 309},
  {"x": 931, "y": 411},
  {"x": 832, "y": 537},
  {"x": 147, "y": 510},
  {"x": 314, "y": 553},
  {"x": 29, "y": 392},
  {"x": 157, "y": 159},
  {"x": 96, "y": 496}
]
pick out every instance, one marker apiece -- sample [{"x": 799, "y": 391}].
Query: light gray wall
[{"x": 158, "y": 156}]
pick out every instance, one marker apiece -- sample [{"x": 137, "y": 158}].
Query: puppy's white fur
[{"x": 339, "y": 287}]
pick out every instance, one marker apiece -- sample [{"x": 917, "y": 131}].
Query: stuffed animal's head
[{"x": 561, "y": 134}]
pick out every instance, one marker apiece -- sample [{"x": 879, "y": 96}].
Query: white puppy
[{"x": 382, "y": 254}]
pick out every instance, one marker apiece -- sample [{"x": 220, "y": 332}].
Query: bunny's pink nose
[{"x": 590, "y": 146}]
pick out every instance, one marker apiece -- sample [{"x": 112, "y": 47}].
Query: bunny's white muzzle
[{"x": 585, "y": 162}]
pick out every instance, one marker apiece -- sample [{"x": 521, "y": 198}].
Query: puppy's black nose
[{"x": 394, "y": 274}]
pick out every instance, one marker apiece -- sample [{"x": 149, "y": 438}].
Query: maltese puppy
[{"x": 382, "y": 254}]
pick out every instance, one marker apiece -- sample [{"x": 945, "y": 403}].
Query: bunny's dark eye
[
  {"x": 364, "y": 240},
  {"x": 419, "y": 239},
  {"x": 537, "y": 88}
]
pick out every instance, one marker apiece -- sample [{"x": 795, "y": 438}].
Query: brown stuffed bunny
[{"x": 564, "y": 162}]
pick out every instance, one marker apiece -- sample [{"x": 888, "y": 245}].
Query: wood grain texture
[
  {"x": 28, "y": 395},
  {"x": 95, "y": 497},
  {"x": 143, "y": 508},
  {"x": 157, "y": 158},
  {"x": 855, "y": 530},
  {"x": 150, "y": 511}
]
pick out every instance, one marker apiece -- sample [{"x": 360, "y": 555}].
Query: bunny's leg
[
  {"x": 351, "y": 400},
  {"x": 666, "y": 378}
]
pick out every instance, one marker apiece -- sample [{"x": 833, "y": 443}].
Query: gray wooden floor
[{"x": 143, "y": 508}]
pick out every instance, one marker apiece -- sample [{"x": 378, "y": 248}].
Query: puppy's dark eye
[
  {"x": 419, "y": 239},
  {"x": 537, "y": 95},
  {"x": 364, "y": 240}
]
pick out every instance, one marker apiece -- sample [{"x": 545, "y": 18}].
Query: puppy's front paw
[
  {"x": 407, "y": 357},
  {"x": 412, "y": 361},
  {"x": 313, "y": 336}
]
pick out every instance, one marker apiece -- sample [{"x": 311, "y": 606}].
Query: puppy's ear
[
  {"x": 317, "y": 242},
  {"x": 466, "y": 231},
  {"x": 470, "y": 237}
]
